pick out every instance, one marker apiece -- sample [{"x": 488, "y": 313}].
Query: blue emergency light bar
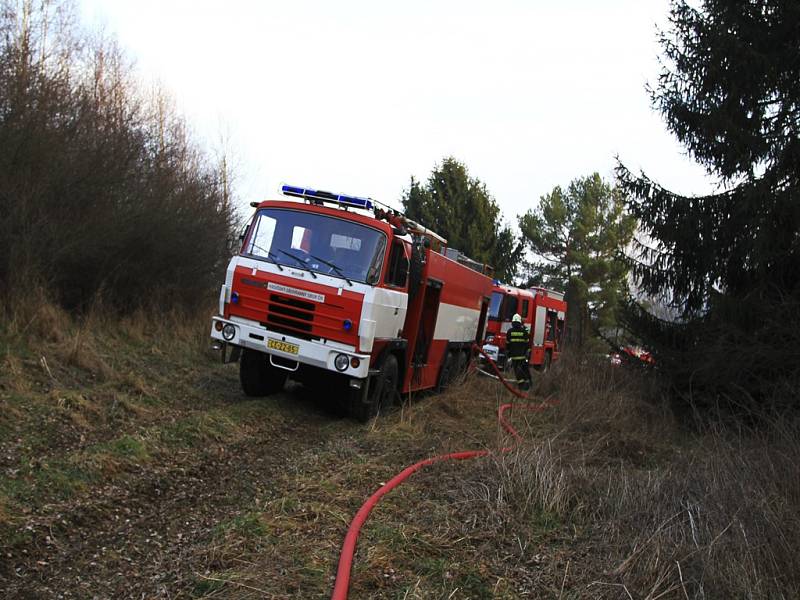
[{"x": 321, "y": 196}]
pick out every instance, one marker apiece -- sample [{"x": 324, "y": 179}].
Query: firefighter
[{"x": 518, "y": 344}]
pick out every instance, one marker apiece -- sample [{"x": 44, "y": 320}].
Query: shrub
[{"x": 102, "y": 190}]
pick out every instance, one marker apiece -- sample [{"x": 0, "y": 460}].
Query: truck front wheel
[
  {"x": 257, "y": 376},
  {"x": 381, "y": 393}
]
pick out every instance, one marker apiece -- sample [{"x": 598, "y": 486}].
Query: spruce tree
[
  {"x": 461, "y": 209},
  {"x": 729, "y": 262}
]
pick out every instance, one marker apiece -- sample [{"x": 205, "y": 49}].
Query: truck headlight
[
  {"x": 341, "y": 362},
  {"x": 229, "y": 332}
]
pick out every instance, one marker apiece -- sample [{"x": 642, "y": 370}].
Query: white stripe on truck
[{"x": 456, "y": 323}]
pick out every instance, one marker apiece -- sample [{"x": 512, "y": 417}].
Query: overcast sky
[{"x": 356, "y": 96}]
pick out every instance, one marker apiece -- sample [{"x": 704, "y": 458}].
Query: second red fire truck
[
  {"x": 543, "y": 312},
  {"x": 353, "y": 299}
]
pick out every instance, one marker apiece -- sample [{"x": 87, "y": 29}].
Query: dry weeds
[
  {"x": 664, "y": 512},
  {"x": 157, "y": 469}
]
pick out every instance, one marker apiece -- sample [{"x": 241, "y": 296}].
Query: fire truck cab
[
  {"x": 346, "y": 297},
  {"x": 543, "y": 312}
]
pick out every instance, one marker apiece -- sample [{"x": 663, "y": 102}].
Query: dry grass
[
  {"x": 651, "y": 510},
  {"x": 608, "y": 497},
  {"x": 69, "y": 382},
  {"x": 12, "y": 366}
]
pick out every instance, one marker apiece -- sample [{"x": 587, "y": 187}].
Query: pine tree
[
  {"x": 576, "y": 236},
  {"x": 461, "y": 209},
  {"x": 729, "y": 90}
]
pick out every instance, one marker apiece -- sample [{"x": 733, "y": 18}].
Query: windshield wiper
[
  {"x": 336, "y": 269},
  {"x": 300, "y": 261},
  {"x": 270, "y": 256}
]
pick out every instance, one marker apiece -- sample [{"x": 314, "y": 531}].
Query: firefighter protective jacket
[{"x": 518, "y": 342}]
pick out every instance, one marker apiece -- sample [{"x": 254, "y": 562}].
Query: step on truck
[
  {"x": 350, "y": 298},
  {"x": 543, "y": 312}
]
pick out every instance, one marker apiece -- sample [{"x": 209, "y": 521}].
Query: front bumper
[{"x": 313, "y": 353}]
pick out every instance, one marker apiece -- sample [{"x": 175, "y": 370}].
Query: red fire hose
[{"x": 342, "y": 584}]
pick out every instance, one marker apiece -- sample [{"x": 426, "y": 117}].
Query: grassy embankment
[{"x": 130, "y": 465}]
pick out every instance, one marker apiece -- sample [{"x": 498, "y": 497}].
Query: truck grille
[{"x": 290, "y": 315}]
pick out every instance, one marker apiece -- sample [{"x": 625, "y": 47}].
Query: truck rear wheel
[
  {"x": 448, "y": 372},
  {"x": 380, "y": 395},
  {"x": 462, "y": 364},
  {"x": 257, "y": 376}
]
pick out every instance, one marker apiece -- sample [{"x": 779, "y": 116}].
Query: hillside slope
[{"x": 132, "y": 466}]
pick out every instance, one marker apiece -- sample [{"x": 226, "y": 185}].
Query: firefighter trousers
[{"x": 522, "y": 371}]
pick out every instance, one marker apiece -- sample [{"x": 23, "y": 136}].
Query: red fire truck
[
  {"x": 543, "y": 312},
  {"x": 357, "y": 300}
]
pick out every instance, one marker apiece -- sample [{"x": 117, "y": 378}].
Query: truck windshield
[
  {"x": 510, "y": 307},
  {"x": 494, "y": 305},
  {"x": 316, "y": 242}
]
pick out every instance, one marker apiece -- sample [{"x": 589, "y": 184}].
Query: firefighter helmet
[{"x": 516, "y": 318}]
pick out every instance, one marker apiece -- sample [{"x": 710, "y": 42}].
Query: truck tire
[
  {"x": 381, "y": 393},
  {"x": 462, "y": 364},
  {"x": 448, "y": 372},
  {"x": 257, "y": 376}
]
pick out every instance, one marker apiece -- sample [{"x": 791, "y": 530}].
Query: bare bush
[{"x": 102, "y": 190}]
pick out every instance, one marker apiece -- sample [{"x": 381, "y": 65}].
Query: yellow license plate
[{"x": 282, "y": 346}]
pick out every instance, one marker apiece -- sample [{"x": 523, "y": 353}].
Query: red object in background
[{"x": 632, "y": 353}]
